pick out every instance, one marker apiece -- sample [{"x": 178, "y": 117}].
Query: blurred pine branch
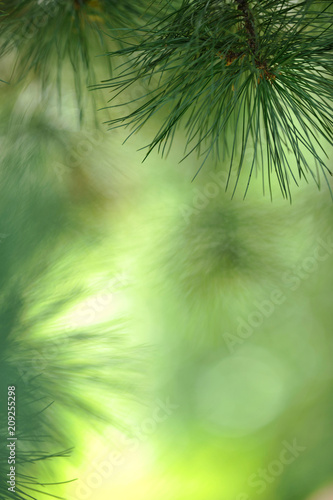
[
  {"x": 48, "y": 36},
  {"x": 46, "y": 355}
]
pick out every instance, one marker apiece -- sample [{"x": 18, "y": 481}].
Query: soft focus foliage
[
  {"x": 62, "y": 370},
  {"x": 166, "y": 341}
]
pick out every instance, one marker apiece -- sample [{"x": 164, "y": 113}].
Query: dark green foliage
[
  {"x": 35, "y": 435},
  {"x": 251, "y": 81}
]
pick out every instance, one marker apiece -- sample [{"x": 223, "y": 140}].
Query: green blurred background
[{"x": 182, "y": 337}]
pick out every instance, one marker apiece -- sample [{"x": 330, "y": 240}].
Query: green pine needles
[{"x": 250, "y": 81}]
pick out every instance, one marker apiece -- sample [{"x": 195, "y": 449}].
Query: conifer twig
[{"x": 249, "y": 80}]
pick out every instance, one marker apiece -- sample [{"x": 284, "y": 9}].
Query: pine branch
[
  {"x": 249, "y": 24},
  {"x": 250, "y": 79}
]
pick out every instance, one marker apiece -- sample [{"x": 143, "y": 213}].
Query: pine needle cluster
[{"x": 249, "y": 80}]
